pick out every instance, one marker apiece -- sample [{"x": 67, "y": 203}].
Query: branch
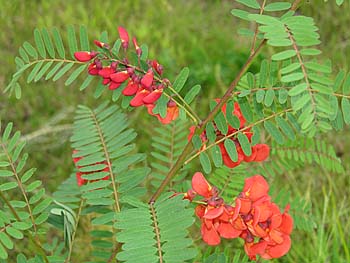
[
  {"x": 210, "y": 117},
  {"x": 187, "y": 150}
]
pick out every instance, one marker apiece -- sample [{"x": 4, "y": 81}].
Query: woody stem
[{"x": 180, "y": 161}]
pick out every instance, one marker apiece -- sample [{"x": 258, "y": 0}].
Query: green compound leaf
[
  {"x": 231, "y": 149},
  {"x": 284, "y": 55},
  {"x": 72, "y": 40},
  {"x": 154, "y": 233},
  {"x": 274, "y": 132},
  {"x": 58, "y": 42},
  {"x": 249, "y": 3},
  {"x": 39, "y": 43},
  {"x": 181, "y": 79},
  {"x": 205, "y": 162},
  {"x": 345, "y": 105},
  {"x": 192, "y": 93},
  {"x": 245, "y": 144},
  {"x": 48, "y": 42},
  {"x": 278, "y": 6},
  {"x": 297, "y": 89}
]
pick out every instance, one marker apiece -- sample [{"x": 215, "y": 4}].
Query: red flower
[
  {"x": 153, "y": 96},
  {"x": 124, "y": 37},
  {"x": 255, "y": 187},
  {"x": 106, "y": 72},
  {"x": 157, "y": 67},
  {"x": 201, "y": 186},
  {"x": 84, "y": 56},
  {"x": 147, "y": 79},
  {"x": 138, "y": 99},
  {"x": 93, "y": 69},
  {"x": 114, "y": 85},
  {"x": 131, "y": 88},
  {"x": 254, "y": 218},
  {"x": 227, "y": 159},
  {"x": 120, "y": 76}
]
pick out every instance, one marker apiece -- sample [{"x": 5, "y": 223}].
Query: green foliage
[
  {"x": 24, "y": 213},
  {"x": 279, "y": 94},
  {"x": 167, "y": 143},
  {"x": 56, "y": 65},
  {"x": 227, "y": 256},
  {"x": 102, "y": 140},
  {"x": 300, "y": 209},
  {"x": 160, "y": 229},
  {"x": 310, "y": 151}
]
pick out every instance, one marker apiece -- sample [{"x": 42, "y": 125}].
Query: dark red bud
[
  {"x": 114, "y": 65},
  {"x": 171, "y": 103},
  {"x": 130, "y": 71}
]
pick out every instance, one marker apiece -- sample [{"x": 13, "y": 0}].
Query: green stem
[
  {"x": 35, "y": 241},
  {"x": 75, "y": 231}
]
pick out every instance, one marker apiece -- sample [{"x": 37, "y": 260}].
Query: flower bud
[
  {"x": 124, "y": 37},
  {"x": 147, "y": 79},
  {"x": 101, "y": 44},
  {"x": 120, "y": 76},
  {"x": 84, "y": 56},
  {"x": 137, "y": 48}
]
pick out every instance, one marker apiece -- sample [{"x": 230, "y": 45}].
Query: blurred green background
[{"x": 198, "y": 34}]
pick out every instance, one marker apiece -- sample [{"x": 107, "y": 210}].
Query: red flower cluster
[
  {"x": 81, "y": 181},
  {"x": 142, "y": 85},
  {"x": 254, "y": 218},
  {"x": 259, "y": 151}
]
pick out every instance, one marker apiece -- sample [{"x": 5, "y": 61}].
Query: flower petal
[
  {"x": 138, "y": 99},
  {"x": 213, "y": 212},
  {"x": 130, "y": 89},
  {"x": 262, "y": 152},
  {"x": 153, "y": 96},
  {"x": 114, "y": 85},
  {"x": 279, "y": 250},
  {"x": 226, "y": 230},
  {"x": 120, "y": 76},
  {"x": 210, "y": 235},
  {"x": 201, "y": 186},
  {"x": 147, "y": 79},
  {"x": 255, "y": 187}
]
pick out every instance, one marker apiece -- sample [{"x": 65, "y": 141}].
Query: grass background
[{"x": 198, "y": 34}]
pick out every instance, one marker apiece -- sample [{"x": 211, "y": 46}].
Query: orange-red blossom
[{"x": 254, "y": 218}]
